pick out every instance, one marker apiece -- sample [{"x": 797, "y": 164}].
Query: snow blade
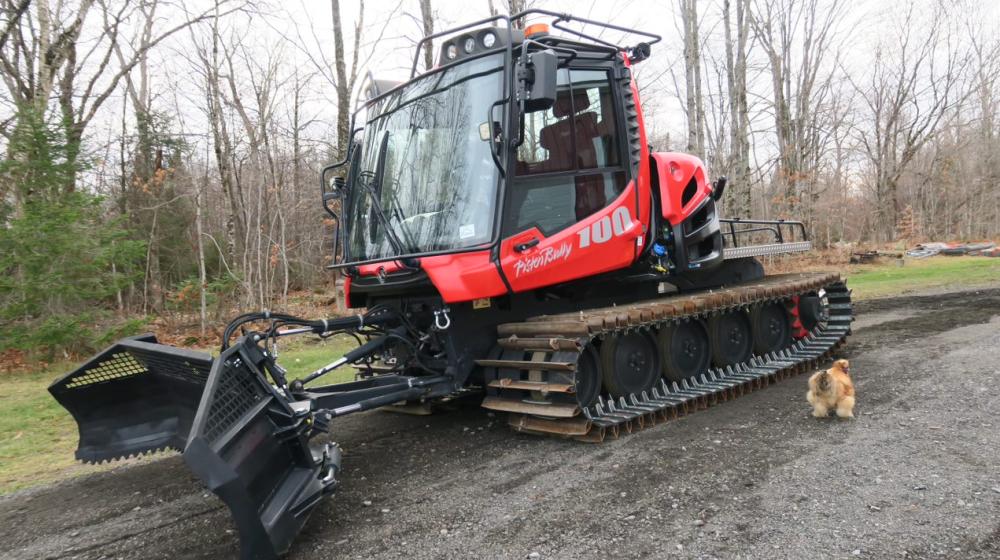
[
  {"x": 135, "y": 397},
  {"x": 238, "y": 433},
  {"x": 250, "y": 446}
]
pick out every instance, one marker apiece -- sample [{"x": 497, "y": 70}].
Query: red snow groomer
[{"x": 502, "y": 227}]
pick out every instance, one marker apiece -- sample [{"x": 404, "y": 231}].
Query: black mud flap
[{"x": 238, "y": 433}]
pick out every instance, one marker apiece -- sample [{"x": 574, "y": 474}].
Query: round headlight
[
  {"x": 489, "y": 40},
  {"x": 469, "y": 45},
  {"x": 451, "y": 52}
]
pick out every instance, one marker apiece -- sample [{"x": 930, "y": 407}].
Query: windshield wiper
[{"x": 373, "y": 191}]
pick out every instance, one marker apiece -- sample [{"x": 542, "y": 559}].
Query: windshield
[{"x": 426, "y": 180}]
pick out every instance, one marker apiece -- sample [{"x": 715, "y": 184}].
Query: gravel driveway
[{"x": 916, "y": 475}]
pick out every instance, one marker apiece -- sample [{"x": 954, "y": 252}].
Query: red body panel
[
  {"x": 675, "y": 171},
  {"x": 458, "y": 277},
  {"x": 464, "y": 276},
  {"x": 603, "y": 241}
]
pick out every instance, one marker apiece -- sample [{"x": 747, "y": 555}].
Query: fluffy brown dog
[{"x": 832, "y": 390}]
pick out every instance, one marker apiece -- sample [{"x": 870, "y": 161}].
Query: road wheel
[
  {"x": 684, "y": 350},
  {"x": 629, "y": 363},
  {"x": 772, "y": 329},
  {"x": 588, "y": 378},
  {"x": 730, "y": 337}
]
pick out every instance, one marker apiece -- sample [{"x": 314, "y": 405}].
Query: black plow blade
[
  {"x": 246, "y": 441},
  {"x": 135, "y": 397}
]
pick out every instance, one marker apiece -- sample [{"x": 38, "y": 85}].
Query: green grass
[
  {"x": 38, "y": 437},
  {"x": 884, "y": 280},
  {"x": 304, "y": 355}
]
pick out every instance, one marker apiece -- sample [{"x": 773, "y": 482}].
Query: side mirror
[
  {"x": 719, "y": 187},
  {"x": 639, "y": 52},
  {"x": 334, "y": 188},
  {"x": 540, "y": 80}
]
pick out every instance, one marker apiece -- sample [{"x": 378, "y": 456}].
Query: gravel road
[{"x": 916, "y": 475}]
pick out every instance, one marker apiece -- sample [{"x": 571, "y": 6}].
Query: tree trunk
[
  {"x": 428, "y": 19},
  {"x": 692, "y": 79}
]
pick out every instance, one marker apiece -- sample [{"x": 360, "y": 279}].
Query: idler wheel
[
  {"x": 684, "y": 350},
  {"x": 772, "y": 329},
  {"x": 810, "y": 311},
  {"x": 731, "y": 338},
  {"x": 629, "y": 363}
]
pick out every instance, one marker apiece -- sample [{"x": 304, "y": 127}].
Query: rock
[
  {"x": 699, "y": 522},
  {"x": 444, "y": 531},
  {"x": 385, "y": 510},
  {"x": 996, "y": 489},
  {"x": 534, "y": 555},
  {"x": 366, "y": 503},
  {"x": 857, "y": 552},
  {"x": 920, "y": 487},
  {"x": 630, "y": 518}
]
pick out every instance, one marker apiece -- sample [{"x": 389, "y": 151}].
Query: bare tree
[
  {"x": 738, "y": 196},
  {"x": 427, "y": 17},
  {"x": 43, "y": 55},
  {"x": 784, "y": 29},
  {"x": 345, "y": 82},
  {"x": 695, "y": 110},
  {"x": 912, "y": 85}
]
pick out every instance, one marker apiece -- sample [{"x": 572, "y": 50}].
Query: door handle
[{"x": 522, "y": 247}]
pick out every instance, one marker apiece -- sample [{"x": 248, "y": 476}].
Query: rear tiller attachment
[{"x": 238, "y": 424}]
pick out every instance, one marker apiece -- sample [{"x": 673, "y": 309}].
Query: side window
[
  {"x": 552, "y": 188},
  {"x": 594, "y": 113},
  {"x": 544, "y": 150}
]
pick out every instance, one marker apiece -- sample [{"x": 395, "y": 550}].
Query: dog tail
[{"x": 823, "y": 381}]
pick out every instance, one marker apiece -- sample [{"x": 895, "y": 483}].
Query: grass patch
[
  {"x": 304, "y": 355},
  {"x": 883, "y": 280},
  {"x": 38, "y": 437}
]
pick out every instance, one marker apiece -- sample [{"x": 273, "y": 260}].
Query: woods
[{"x": 161, "y": 159}]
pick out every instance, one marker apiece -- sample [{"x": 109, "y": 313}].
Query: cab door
[{"x": 570, "y": 209}]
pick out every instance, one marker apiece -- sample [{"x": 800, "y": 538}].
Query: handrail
[{"x": 772, "y": 226}]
